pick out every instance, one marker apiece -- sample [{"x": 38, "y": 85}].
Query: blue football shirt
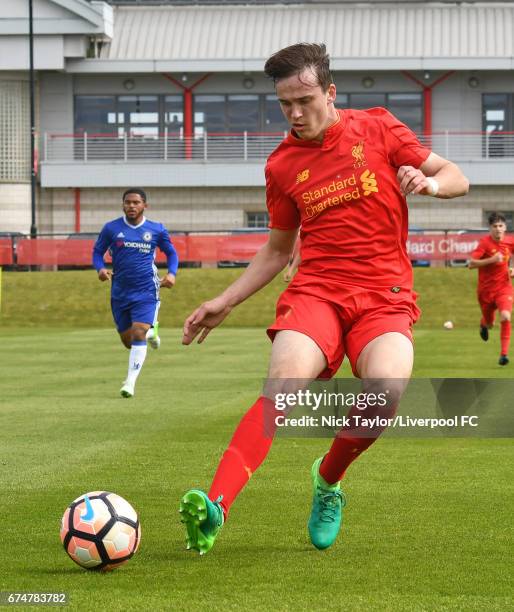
[{"x": 132, "y": 248}]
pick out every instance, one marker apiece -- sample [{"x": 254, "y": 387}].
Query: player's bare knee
[
  {"x": 138, "y": 333},
  {"x": 277, "y": 385},
  {"x": 504, "y": 315},
  {"x": 386, "y": 392},
  {"x": 375, "y": 369},
  {"x": 295, "y": 356},
  {"x": 285, "y": 369}
]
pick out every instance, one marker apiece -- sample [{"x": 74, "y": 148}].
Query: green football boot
[
  {"x": 326, "y": 513},
  {"x": 203, "y": 519}
]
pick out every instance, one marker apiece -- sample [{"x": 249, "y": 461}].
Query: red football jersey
[
  {"x": 345, "y": 195},
  {"x": 495, "y": 277}
]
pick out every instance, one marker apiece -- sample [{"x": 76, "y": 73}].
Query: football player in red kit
[
  {"x": 342, "y": 175},
  {"x": 492, "y": 258}
]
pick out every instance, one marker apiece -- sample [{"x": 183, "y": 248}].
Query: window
[
  {"x": 227, "y": 114},
  {"x": 407, "y": 107},
  {"x": 234, "y": 114},
  {"x": 174, "y": 114},
  {"x": 108, "y": 119},
  {"x": 209, "y": 114},
  {"x": 144, "y": 116},
  {"x": 497, "y": 112},
  {"x": 497, "y": 117},
  {"x": 366, "y": 100},
  {"x": 95, "y": 114},
  {"x": 138, "y": 116},
  {"x": 274, "y": 120},
  {"x": 257, "y": 219},
  {"x": 243, "y": 113},
  {"x": 147, "y": 116}
]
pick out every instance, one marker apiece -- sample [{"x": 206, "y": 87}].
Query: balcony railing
[{"x": 247, "y": 146}]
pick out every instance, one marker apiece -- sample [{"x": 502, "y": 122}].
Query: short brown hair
[
  {"x": 497, "y": 218},
  {"x": 294, "y": 59}
]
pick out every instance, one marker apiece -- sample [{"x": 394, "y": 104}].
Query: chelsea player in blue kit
[{"x": 131, "y": 241}]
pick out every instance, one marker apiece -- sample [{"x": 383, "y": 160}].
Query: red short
[
  {"x": 343, "y": 319},
  {"x": 501, "y": 300}
]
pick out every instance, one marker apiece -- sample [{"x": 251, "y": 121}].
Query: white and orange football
[{"x": 100, "y": 530}]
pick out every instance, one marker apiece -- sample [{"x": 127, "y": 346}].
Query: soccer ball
[
  {"x": 448, "y": 325},
  {"x": 100, "y": 530}
]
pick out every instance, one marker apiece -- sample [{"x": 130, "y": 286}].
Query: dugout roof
[{"x": 358, "y": 36}]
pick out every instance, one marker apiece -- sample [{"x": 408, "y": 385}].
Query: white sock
[{"x": 136, "y": 359}]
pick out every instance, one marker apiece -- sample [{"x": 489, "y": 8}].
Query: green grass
[
  {"x": 428, "y": 524},
  {"x": 78, "y": 299}
]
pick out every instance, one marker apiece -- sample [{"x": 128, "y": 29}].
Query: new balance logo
[
  {"x": 120, "y": 235},
  {"x": 302, "y": 176}
]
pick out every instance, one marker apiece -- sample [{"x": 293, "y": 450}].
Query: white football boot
[
  {"x": 152, "y": 335},
  {"x": 128, "y": 389}
]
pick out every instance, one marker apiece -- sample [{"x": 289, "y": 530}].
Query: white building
[{"x": 170, "y": 96}]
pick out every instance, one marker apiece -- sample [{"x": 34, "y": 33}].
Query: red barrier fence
[
  {"x": 53, "y": 252},
  {"x": 212, "y": 248},
  {"x": 441, "y": 246},
  {"x": 202, "y": 248},
  {"x": 6, "y": 252}
]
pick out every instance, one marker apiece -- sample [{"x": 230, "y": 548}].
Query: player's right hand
[
  {"x": 104, "y": 274},
  {"x": 204, "y": 319},
  {"x": 412, "y": 181}
]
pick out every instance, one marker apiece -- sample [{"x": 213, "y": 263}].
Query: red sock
[
  {"x": 488, "y": 314},
  {"x": 245, "y": 453},
  {"x": 343, "y": 451},
  {"x": 505, "y": 337}
]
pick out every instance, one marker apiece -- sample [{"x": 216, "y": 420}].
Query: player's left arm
[
  {"x": 294, "y": 262},
  {"x": 166, "y": 246},
  {"x": 436, "y": 176}
]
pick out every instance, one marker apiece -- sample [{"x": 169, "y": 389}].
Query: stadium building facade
[{"x": 171, "y": 96}]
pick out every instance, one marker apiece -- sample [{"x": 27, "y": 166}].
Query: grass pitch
[
  {"x": 428, "y": 522},
  {"x": 78, "y": 299}
]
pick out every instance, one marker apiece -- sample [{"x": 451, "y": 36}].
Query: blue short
[{"x": 126, "y": 313}]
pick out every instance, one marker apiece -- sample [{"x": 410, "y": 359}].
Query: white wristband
[{"x": 434, "y": 186}]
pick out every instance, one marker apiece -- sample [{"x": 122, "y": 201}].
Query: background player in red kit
[
  {"x": 492, "y": 258},
  {"x": 343, "y": 176}
]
